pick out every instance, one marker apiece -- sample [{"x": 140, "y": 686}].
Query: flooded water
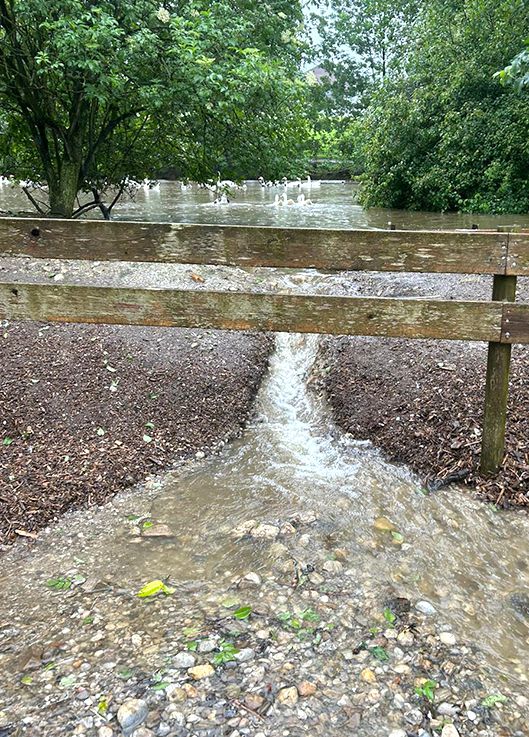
[
  {"x": 334, "y": 206},
  {"x": 466, "y": 559},
  {"x": 461, "y": 556}
]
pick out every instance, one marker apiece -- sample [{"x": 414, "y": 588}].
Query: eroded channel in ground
[{"x": 346, "y": 538}]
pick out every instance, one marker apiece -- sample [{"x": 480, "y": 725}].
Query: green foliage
[
  {"x": 427, "y": 690},
  {"x": 60, "y": 583},
  {"x": 389, "y": 616},
  {"x": 445, "y": 135},
  {"x": 493, "y": 699},
  {"x": 95, "y": 94},
  {"x": 243, "y": 612},
  {"x": 155, "y": 587},
  {"x": 227, "y": 653},
  {"x": 379, "y": 653}
]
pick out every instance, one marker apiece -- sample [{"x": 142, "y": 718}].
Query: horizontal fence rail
[
  {"x": 382, "y": 316},
  {"x": 500, "y": 322},
  {"x": 465, "y": 252}
]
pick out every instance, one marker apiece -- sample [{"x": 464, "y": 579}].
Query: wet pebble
[
  {"x": 425, "y": 608},
  {"x": 131, "y": 714}
]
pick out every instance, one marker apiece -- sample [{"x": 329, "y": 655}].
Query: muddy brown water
[{"x": 465, "y": 558}]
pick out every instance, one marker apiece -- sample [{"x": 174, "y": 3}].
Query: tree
[
  {"x": 443, "y": 134},
  {"x": 95, "y": 94},
  {"x": 363, "y": 44}
]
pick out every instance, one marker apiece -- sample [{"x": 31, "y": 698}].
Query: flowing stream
[{"x": 460, "y": 555}]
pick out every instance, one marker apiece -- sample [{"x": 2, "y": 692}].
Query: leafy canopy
[{"x": 95, "y": 93}]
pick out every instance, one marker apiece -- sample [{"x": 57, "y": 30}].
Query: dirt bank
[
  {"x": 87, "y": 411},
  {"x": 421, "y": 402}
]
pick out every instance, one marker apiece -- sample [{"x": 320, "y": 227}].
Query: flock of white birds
[{"x": 222, "y": 188}]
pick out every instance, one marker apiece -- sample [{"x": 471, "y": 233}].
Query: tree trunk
[{"x": 63, "y": 189}]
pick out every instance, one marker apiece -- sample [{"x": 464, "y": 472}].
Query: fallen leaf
[{"x": 198, "y": 278}]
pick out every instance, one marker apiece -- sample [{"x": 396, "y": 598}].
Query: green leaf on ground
[
  {"x": 100, "y": 431},
  {"x": 389, "y": 616},
  {"x": 59, "y": 584},
  {"x": 125, "y": 673},
  {"x": 379, "y": 653},
  {"x": 309, "y": 615},
  {"x": 427, "y": 690},
  {"x": 155, "y": 587},
  {"x": 26, "y": 680},
  {"x": 226, "y": 653},
  {"x": 397, "y": 536},
  {"x": 67, "y": 681},
  {"x": 7, "y": 441},
  {"x": 243, "y": 612},
  {"x": 493, "y": 699}
]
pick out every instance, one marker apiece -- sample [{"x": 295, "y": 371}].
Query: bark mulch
[
  {"x": 89, "y": 410},
  {"x": 421, "y": 403}
]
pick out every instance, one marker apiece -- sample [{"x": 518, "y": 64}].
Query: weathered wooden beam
[
  {"x": 497, "y": 384},
  {"x": 408, "y": 318},
  {"x": 360, "y": 250},
  {"x": 515, "y": 323},
  {"x": 518, "y": 258}
]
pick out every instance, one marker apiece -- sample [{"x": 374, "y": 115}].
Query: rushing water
[{"x": 461, "y": 555}]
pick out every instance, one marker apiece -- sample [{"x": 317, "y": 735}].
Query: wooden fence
[{"x": 500, "y": 322}]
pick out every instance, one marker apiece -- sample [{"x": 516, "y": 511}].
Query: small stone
[
  {"x": 307, "y": 688},
  {"x": 316, "y": 579},
  {"x": 520, "y": 603},
  {"x": 447, "y": 638},
  {"x": 449, "y": 731},
  {"x": 233, "y": 691},
  {"x": 244, "y": 529},
  {"x": 184, "y": 660},
  {"x": 415, "y": 716},
  {"x": 333, "y": 566},
  {"x": 244, "y": 655},
  {"x": 278, "y": 550},
  {"x": 201, "y": 671},
  {"x": 287, "y": 529},
  {"x": 288, "y": 696},
  {"x": 199, "y": 455},
  {"x": 398, "y": 733},
  {"x": 131, "y": 714},
  {"x": 143, "y": 732},
  {"x": 207, "y": 646},
  {"x": 472, "y": 715},
  {"x": 447, "y": 710},
  {"x": 175, "y": 694},
  {"x": 265, "y": 532},
  {"x": 250, "y": 580},
  {"x": 384, "y": 524},
  {"x": 157, "y": 530},
  {"x": 425, "y": 608},
  {"x": 253, "y": 701},
  {"x": 405, "y": 638},
  {"x": 304, "y": 518},
  {"x": 105, "y": 732},
  {"x": 340, "y": 554},
  {"x": 368, "y": 676}
]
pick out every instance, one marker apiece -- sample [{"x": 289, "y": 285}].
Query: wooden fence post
[{"x": 497, "y": 388}]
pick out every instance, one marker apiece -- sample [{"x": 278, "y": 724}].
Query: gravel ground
[
  {"x": 309, "y": 644},
  {"x": 89, "y": 410},
  {"x": 421, "y": 402}
]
